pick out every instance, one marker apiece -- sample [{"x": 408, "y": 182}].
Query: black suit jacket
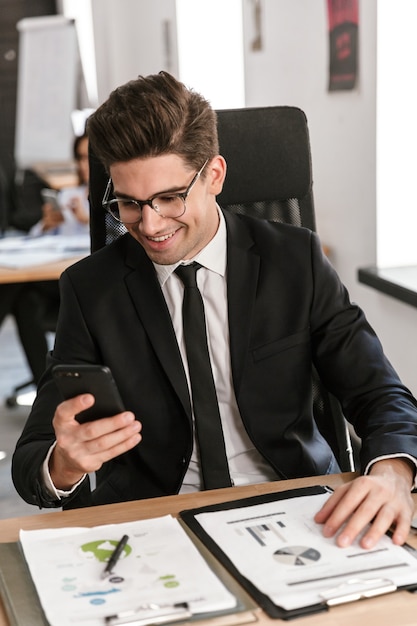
[{"x": 287, "y": 309}]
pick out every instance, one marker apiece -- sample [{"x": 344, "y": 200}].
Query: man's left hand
[{"x": 382, "y": 499}]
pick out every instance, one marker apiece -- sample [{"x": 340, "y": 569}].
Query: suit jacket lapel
[
  {"x": 242, "y": 278},
  {"x": 151, "y": 307}
]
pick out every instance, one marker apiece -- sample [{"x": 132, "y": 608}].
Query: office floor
[{"x": 13, "y": 370}]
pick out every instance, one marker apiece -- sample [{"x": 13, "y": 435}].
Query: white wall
[
  {"x": 292, "y": 69},
  {"x": 133, "y": 37}
]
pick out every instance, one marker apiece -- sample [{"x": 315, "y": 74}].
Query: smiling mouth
[{"x": 162, "y": 237}]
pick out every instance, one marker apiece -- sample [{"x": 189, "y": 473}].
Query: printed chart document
[
  {"x": 159, "y": 568},
  {"x": 277, "y": 549}
]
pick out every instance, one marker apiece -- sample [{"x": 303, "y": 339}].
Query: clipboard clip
[
  {"x": 150, "y": 614},
  {"x": 356, "y": 589}
]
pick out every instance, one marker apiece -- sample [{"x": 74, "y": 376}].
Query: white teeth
[{"x": 163, "y": 238}]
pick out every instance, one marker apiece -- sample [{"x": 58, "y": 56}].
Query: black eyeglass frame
[{"x": 106, "y": 203}]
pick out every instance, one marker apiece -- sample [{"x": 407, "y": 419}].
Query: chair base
[{"x": 13, "y": 400}]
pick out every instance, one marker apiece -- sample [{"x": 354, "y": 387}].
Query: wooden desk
[
  {"x": 58, "y": 174},
  {"x": 396, "y": 609},
  {"x": 33, "y": 273}
]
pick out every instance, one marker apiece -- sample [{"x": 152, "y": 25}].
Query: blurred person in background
[{"x": 32, "y": 303}]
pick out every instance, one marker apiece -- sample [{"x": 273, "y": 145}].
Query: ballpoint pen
[{"x": 115, "y": 556}]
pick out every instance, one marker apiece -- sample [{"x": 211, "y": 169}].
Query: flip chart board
[{"x": 48, "y": 72}]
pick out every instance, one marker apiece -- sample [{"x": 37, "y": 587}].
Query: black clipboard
[{"x": 270, "y": 608}]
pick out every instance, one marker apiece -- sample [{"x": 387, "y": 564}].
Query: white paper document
[
  {"x": 159, "y": 565},
  {"x": 280, "y": 549},
  {"x": 25, "y": 251}
]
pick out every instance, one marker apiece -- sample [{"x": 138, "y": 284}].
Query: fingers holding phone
[
  {"x": 83, "y": 448},
  {"x": 50, "y": 197},
  {"x": 51, "y": 210},
  {"x": 89, "y": 429},
  {"x": 50, "y": 218}
]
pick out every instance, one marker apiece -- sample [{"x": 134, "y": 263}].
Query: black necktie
[{"x": 208, "y": 425}]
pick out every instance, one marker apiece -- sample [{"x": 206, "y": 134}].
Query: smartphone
[
  {"x": 73, "y": 380},
  {"x": 50, "y": 196}
]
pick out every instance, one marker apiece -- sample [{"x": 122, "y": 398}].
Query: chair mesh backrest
[
  {"x": 277, "y": 211},
  {"x": 269, "y": 175},
  {"x": 269, "y": 172}
]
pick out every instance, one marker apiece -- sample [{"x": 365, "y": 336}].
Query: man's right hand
[{"x": 83, "y": 448}]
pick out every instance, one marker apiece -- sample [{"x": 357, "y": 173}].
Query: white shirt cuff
[
  {"x": 58, "y": 494},
  {"x": 395, "y": 456}
]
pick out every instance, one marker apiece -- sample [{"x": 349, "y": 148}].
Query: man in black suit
[{"x": 273, "y": 304}]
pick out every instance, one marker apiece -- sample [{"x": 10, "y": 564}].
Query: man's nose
[{"x": 150, "y": 218}]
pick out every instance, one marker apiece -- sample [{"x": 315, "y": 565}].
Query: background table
[
  {"x": 58, "y": 174},
  {"x": 44, "y": 271}
]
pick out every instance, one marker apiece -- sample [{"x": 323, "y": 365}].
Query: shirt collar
[{"x": 212, "y": 256}]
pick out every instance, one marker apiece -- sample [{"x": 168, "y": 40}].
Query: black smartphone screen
[{"x": 73, "y": 380}]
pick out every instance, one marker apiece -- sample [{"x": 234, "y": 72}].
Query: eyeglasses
[{"x": 129, "y": 211}]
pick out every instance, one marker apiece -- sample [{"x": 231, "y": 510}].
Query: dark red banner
[{"x": 343, "y": 19}]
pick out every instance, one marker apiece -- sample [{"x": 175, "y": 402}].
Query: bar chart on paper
[{"x": 264, "y": 534}]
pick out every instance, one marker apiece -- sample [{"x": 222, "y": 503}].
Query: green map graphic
[{"x": 103, "y": 549}]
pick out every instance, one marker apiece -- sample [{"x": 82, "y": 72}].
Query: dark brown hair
[
  {"x": 151, "y": 116},
  {"x": 78, "y": 139}
]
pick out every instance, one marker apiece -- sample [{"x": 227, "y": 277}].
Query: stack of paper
[{"x": 26, "y": 251}]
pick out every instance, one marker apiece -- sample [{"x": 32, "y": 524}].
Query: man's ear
[{"x": 216, "y": 174}]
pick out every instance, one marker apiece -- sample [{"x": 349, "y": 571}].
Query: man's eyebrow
[{"x": 124, "y": 196}]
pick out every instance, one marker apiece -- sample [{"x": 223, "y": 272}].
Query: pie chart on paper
[{"x": 297, "y": 555}]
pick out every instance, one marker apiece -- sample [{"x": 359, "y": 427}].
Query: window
[
  {"x": 396, "y": 133},
  {"x": 210, "y": 50}
]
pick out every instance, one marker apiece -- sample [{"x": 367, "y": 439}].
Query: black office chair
[
  {"x": 25, "y": 209},
  {"x": 269, "y": 176},
  {"x": 4, "y": 201}
]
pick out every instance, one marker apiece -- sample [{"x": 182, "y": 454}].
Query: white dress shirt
[{"x": 246, "y": 465}]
